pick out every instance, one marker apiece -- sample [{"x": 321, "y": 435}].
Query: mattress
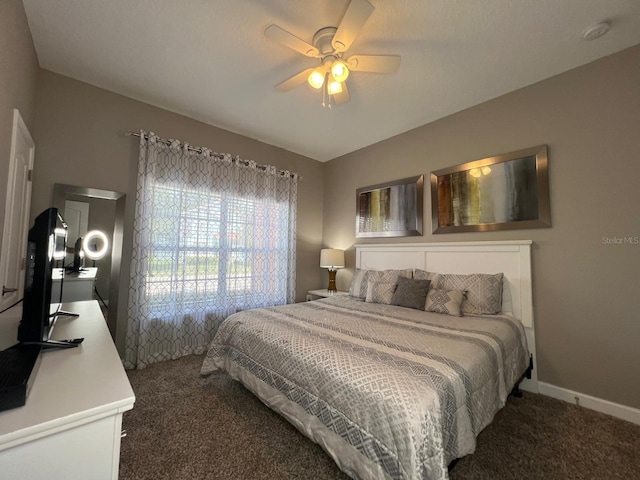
[{"x": 387, "y": 391}]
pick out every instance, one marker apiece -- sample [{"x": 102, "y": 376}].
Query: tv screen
[{"x": 46, "y": 243}]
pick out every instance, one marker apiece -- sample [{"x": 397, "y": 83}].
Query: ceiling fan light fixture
[
  {"x": 316, "y": 78},
  {"x": 339, "y": 71},
  {"x": 328, "y": 46},
  {"x": 334, "y": 87}
]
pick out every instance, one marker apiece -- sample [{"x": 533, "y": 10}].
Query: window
[
  {"x": 213, "y": 234},
  {"x": 206, "y": 249}
]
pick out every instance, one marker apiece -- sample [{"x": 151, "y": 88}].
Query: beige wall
[
  {"x": 586, "y": 297},
  {"x": 18, "y": 76},
  {"x": 79, "y": 143}
]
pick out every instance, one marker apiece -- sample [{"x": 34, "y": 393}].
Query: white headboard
[{"x": 512, "y": 258}]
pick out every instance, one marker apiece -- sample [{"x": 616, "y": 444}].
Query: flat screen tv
[
  {"x": 46, "y": 243},
  {"x": 78, "y": 257}
]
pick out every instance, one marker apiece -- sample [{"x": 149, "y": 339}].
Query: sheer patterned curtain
[{"x": 212, "y": 235}]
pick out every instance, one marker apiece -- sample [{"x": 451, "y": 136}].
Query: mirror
[
  {"x": 497, "y": 193},
  {"x": 85, "y": 209}
]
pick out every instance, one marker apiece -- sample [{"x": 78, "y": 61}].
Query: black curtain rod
[{"x": 216, "y": 155}]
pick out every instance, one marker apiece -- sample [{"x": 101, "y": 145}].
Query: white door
[{"x": 16, "y": 213}]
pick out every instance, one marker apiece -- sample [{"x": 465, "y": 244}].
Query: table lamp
[{"x": 332, "y": 259}]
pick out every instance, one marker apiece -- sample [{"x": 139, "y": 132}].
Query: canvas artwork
[
  {"x": 390, "y": 210},
  {"x": 497, "y": 193}
]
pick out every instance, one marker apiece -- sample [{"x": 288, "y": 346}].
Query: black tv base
[
  {"x": 55, "y": 344},
  {"x": 63, "y": 313}
]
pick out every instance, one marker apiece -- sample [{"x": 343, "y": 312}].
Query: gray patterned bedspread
[{"x": 388, "y": 392}]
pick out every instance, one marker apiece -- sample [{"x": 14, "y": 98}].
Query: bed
[{"x": 390, "y": 391}]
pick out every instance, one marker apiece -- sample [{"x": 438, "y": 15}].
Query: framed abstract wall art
[
  {"x": 504, "y": 192},
  {"x": 391, "y": 209}
]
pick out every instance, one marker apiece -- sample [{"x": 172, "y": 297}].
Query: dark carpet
[{"x": 187, "y": 427}]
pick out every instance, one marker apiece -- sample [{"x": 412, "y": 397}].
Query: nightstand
[{"x": 323, "y": 293}]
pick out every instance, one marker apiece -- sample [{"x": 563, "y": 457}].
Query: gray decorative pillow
[
  {"x": 410, "y": 293},
  {"x": 445, "y": 301},
  {"x": 361, "y": 279},
  {"x": 484, "y": 291},
  {"x": 379, "y": 292}
]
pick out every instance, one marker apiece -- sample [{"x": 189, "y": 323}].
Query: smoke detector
[{"x": 596, "y": 31}]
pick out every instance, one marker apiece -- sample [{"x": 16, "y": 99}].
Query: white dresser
[
  {"x": 70, "y": 427},
  {"x": 76, "y": 286}
]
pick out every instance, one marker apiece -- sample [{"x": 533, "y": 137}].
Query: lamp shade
[
  {"x": 339, "y": 71},
  {"x": 331, "y": 258},
  {"x": 334, "y": 87},
  {"x": 316, "y": 78}
]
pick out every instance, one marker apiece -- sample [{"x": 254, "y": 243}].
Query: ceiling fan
[{"x": 329, "y": 45}]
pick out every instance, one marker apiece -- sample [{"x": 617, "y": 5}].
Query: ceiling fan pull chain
[{"x": 326, "y": 100}]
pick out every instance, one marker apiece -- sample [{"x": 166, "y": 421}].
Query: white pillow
[
  {"x": 484, "y": 291},
  {"x": 360, "y": 281},
  {"x": 379, "y": 292},
  {"x": 444, "y": 301}
]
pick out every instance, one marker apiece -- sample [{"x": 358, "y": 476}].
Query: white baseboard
[
  {"x": 530, "y": 385},
  {"x": 623, "y": 412}
]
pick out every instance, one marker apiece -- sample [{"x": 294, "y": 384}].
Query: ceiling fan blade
[
  {"x": 342, "y": 97},
  {"x": 374, "y": 63},
  {"x": 279, "y": 35},
  {"x": 293, "y": 82},
  {"x": 355, "y": 17}
]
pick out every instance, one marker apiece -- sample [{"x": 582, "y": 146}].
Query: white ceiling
[{"x": 209, "y": 59}]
